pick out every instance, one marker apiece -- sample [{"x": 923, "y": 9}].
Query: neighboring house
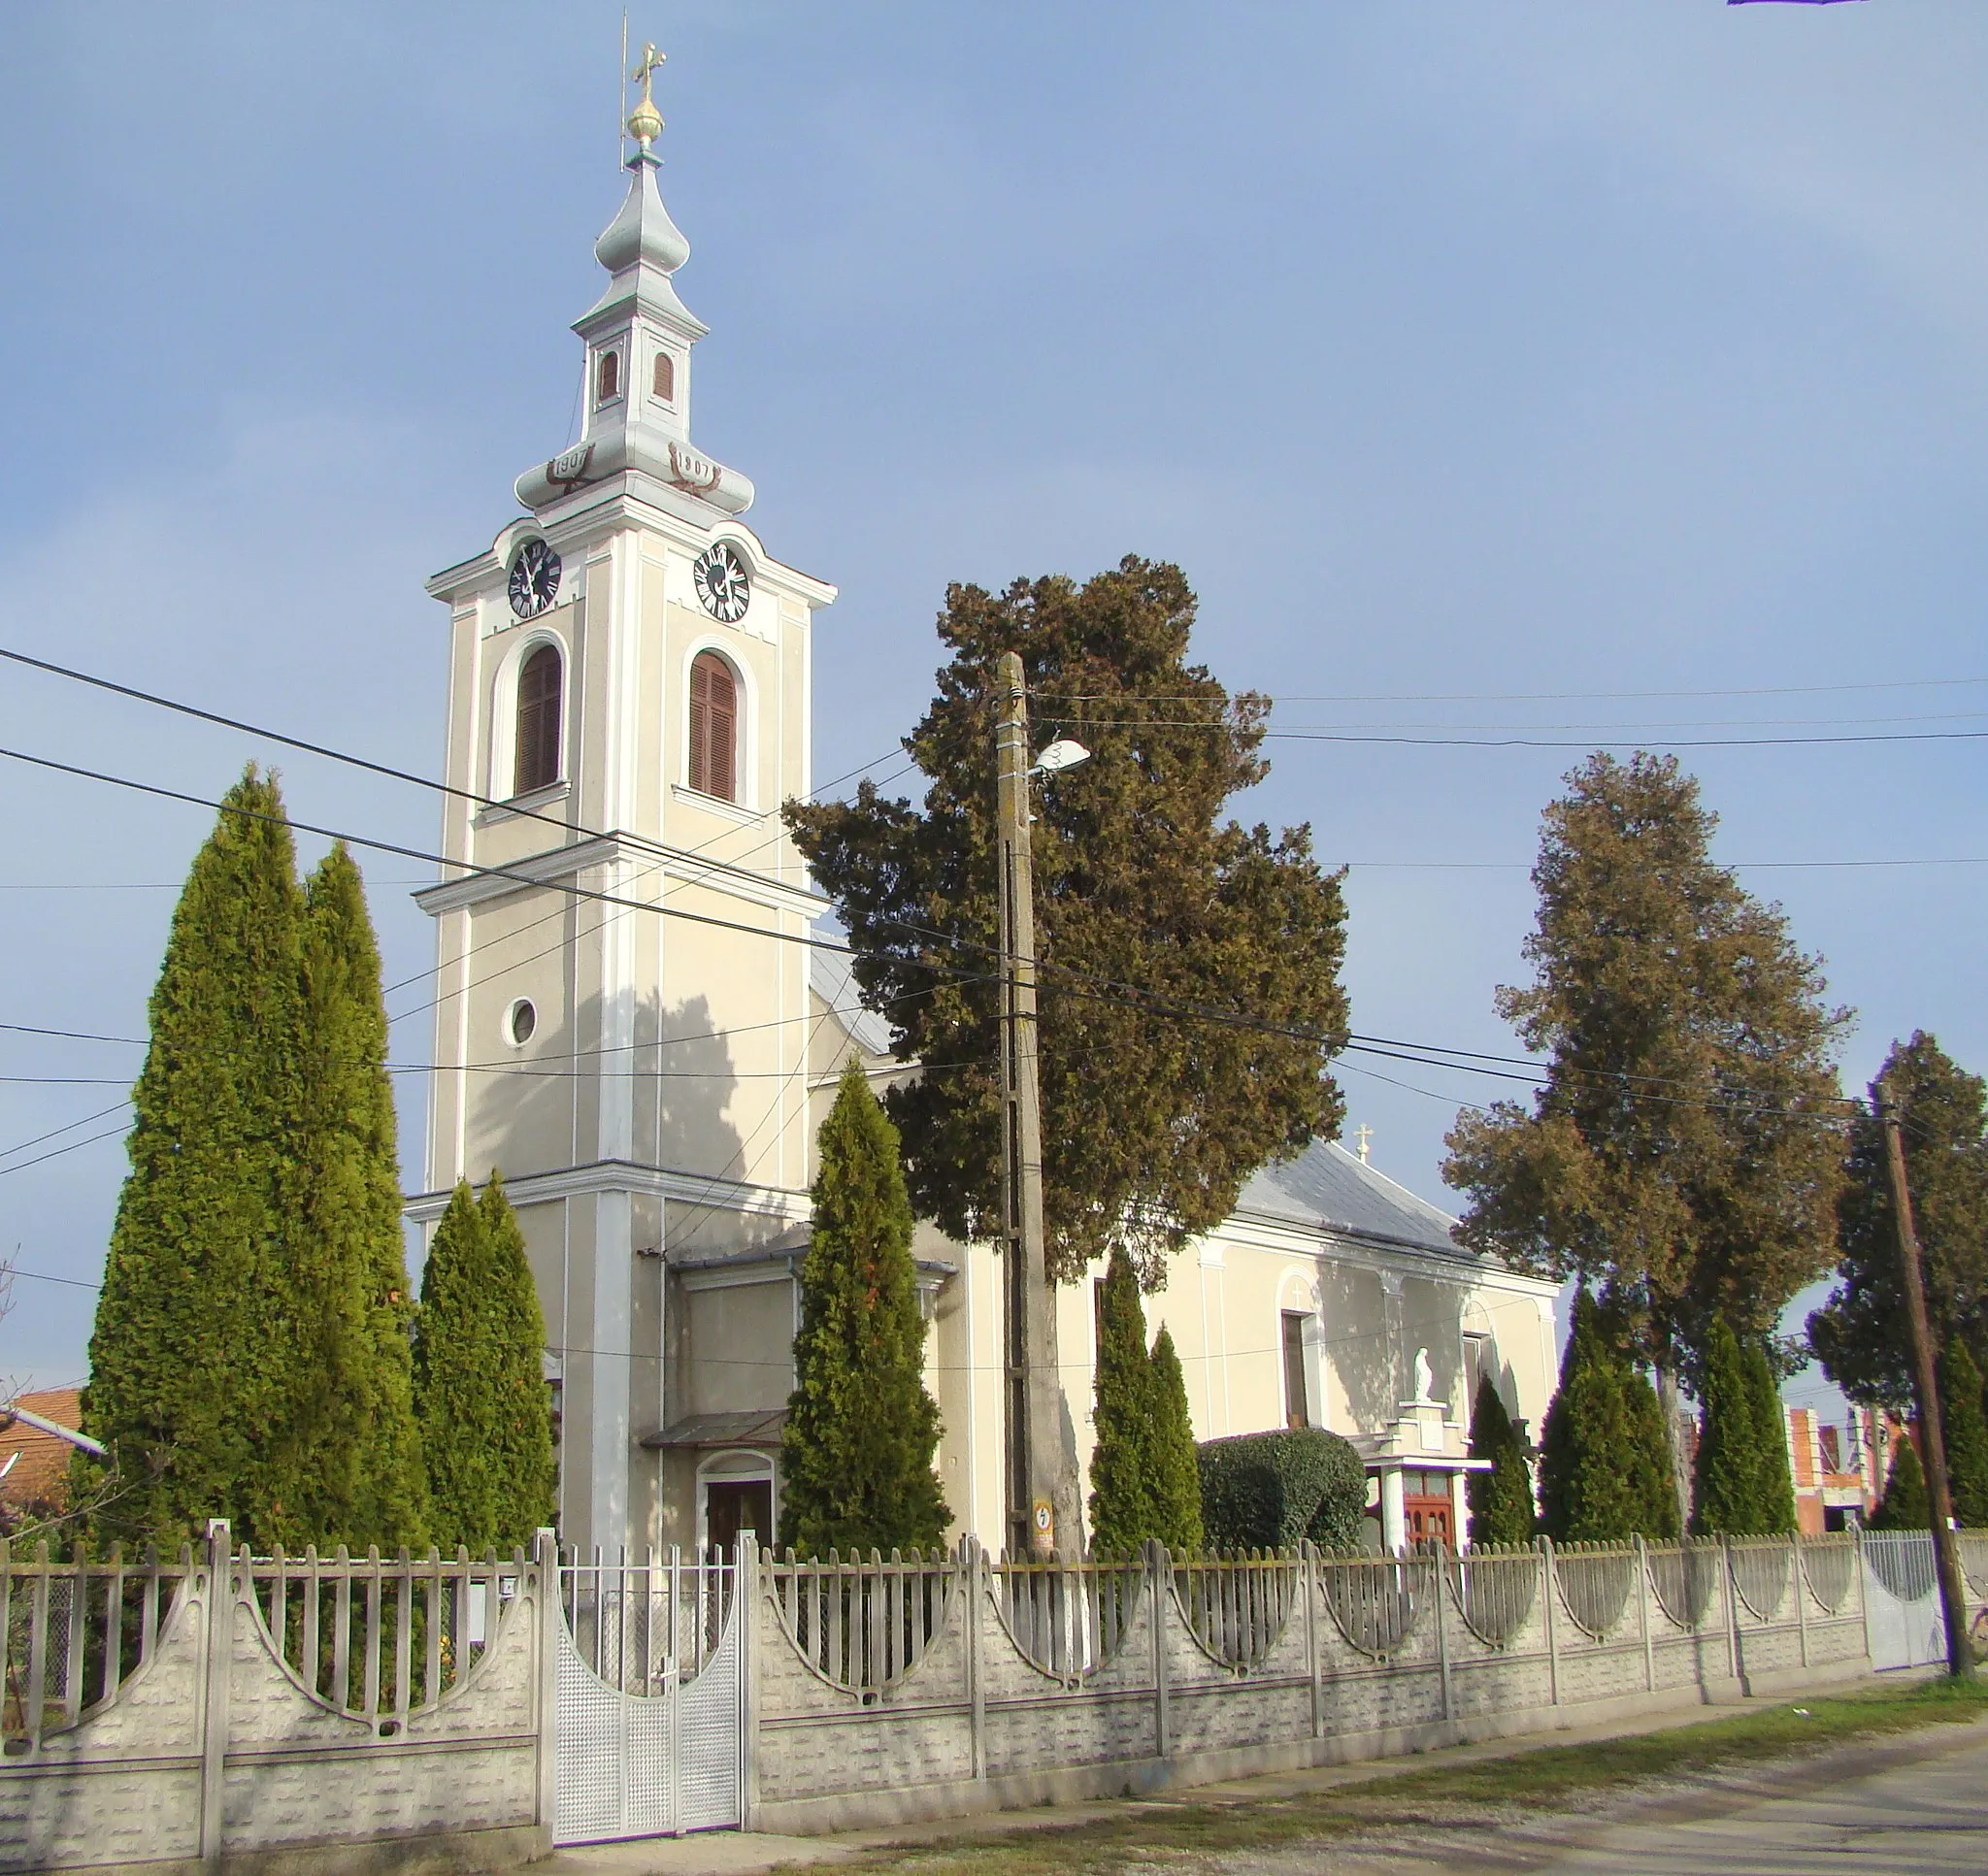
[
  {"x": 633, "y": 1024},
  {"x": 36, "y": 1482},
  {"x": 1839, "y": 1471}
]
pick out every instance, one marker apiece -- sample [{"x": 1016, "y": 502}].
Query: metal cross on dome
[{"x": 645, "y": 121}]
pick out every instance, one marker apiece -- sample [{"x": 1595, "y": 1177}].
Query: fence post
[
  {"x": 545, "y": 1556},
  {"x": 214, "y": 1718},
  {"x": 1309, "y": 1588},
  {"x": 1643, "y": 1604},
  {"x": 1732, "y": 1595},
  {"x": 1552, "y": 1625},
  {"x": 1439, "y": 1577},
  {"x": 750, "y": 1613},
  {"x": 1159, "y": 1567},
  {"x": 1864, "y": 1596},
  {"x": 1800, "y": 1594},
  {"x": 976, "y": 1587}
]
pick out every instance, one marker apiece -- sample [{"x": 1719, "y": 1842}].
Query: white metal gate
[
  {"x": 1902, "y": 1598},
  {"x": 648, "y": 1721}
]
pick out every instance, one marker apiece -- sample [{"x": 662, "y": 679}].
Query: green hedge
[{"x": 1266, "y": 1491}]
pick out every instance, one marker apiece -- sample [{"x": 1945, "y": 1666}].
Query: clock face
[
  {"x": 724, "y": 586},
  {"x": 534, "y": 579}
]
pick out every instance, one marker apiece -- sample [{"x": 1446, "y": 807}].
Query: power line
[{"x": 1517, "y": 697}]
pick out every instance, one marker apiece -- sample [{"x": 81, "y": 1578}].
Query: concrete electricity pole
[
  {"x": 1960, "y": 1654},
  {"x": 1035, "y": 1446}
]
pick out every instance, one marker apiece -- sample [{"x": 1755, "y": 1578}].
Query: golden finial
[{"x": 645, "y": 121}]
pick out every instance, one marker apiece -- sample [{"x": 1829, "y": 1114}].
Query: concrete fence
[
  {"x": 222, "y": 1710},
  {"x": 896, "y": 1690}
]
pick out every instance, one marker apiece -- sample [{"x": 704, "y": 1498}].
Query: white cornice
[
  {"x": 1256, "y": 1232},
  {"x": 788, "y": 1208},
  {"x": 669, "y": 862}
]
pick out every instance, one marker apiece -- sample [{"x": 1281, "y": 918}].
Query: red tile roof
[{"x": 41, "y": 1474}]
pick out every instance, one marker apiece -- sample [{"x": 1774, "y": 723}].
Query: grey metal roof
[
  {"x": 1326, "y": 1187},
  {"x": 831, "y": 980}
]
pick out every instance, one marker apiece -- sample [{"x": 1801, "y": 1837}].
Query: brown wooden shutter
[
  {"x": 713, "y": 727},
  {"x": 539, "y": 697}
]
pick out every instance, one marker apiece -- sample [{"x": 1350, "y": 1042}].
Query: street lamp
[{"x": 1035, "y": 1476}]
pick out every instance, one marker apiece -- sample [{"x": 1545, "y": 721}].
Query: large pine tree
[
  {"x": 1860, "y": 1334},
  {"x": 1965, "y": 1432},
  {"x": 352, "y": 1452},
  {"x": 1140, "y": 879},
  {"x": 857, "y": 1455},
  {"x": 1605, "y": 1463},
  {"x": 1681, "y": 1158},
  {"x": 1501, "y": 1498},
  {"x": 194, "y": 1352},
  {"x": 481, "y": 1399},
  {"x": 1175, "y": 1462},
  {"x": 1123, "y": 1507}
]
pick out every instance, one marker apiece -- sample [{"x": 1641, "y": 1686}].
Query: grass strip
[{"x": 1488, "y": 1792}]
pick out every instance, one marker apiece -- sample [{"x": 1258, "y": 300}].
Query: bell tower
[{"x": 622, "y": 983}]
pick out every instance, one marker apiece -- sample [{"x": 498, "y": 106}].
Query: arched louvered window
[
  {"x": 666, "y": 375},
  {"x": 539, "y": 699},
  {"x": 611, "y": 376},
  {"x": 713, "y": 727}
]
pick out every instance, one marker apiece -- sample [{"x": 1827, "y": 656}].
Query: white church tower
[{"x": 622, "y": 997}]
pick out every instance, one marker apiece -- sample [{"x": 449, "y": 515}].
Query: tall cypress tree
[
  {"x": 1501, "y": 1498},
  {"x": 1725, "y": 1481},
  {"x": 1605, "y": 1463},
  {"x": 861, "y": 1429},
  {"x": 1906, "y": 1505},
  {"x": 1743, "y": 1486},
  {"x": 1964, "y": 1431},
  {"x": 1176, "y": 1461},
  {"x": 351, "y": 1449},
  {"x": 480, "y": 1393},
  {"x": 1775, "y": 1480},
  {"x": 193, "y": 1354},
  {"x": 1124, "y": 1512}
]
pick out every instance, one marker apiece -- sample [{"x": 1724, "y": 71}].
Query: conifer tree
[
  {"x": 192, "y": 1358},
  {"x": 1501, "y": 1498},
  {"x": 1964, "y": 1431},
  {"x": 1860, "y": 1334},
  {"x": 1123, "y": 1507},
  {"x": 861, "y": 1429},
  {"x": 1175, "y": 1459},
  {"x": 1904, "y": 1505},
  {"x": 1777, "y": 1480},
  {"x": 1743, "y": 1486},
  {"x": 1141, "y": 878},
  {"x": 350, "y": 1451},
  {"x": 1605, "y": 1464},
  {"x": 481, "y": 1401},
  {"x": 1657, "y": 974}
]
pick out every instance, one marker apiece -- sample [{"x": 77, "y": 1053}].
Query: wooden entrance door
[
  {"x": 733, "y": 1505},
  {"x": 1428, "y": 1514}
]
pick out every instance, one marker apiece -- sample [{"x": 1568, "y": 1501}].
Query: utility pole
[
  {"x": 1034, "y": 1436},
  {"x": 1953, "y": 1601}
]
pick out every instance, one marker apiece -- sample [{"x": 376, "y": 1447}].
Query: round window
[{"x": 520, "y": 1023}]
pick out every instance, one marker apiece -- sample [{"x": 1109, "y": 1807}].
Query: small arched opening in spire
[
  {"x": 540, "y": 696},
  {"x": 665, "y": 382},
  {"x": 609, "y": 378},
  {"x": 713, "y": 727}
]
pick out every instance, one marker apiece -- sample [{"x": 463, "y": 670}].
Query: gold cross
[{"x": 650, "y": 60}]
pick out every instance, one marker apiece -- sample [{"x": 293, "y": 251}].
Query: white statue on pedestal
[{"x": 1424, "y": 1378}]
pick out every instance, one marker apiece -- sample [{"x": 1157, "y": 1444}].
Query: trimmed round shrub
[{"x": 1266, "y": 1491}]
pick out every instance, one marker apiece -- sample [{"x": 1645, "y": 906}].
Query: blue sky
[{"x": 1492, "y": 353}]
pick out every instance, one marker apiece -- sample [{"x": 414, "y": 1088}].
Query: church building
[{"x": 639, "y": 1024}]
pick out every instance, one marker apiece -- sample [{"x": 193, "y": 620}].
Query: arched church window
[
  {"x": 713, "y": 727},
  {"x": 611, "y": 376},
  {"x": 666, "y": 375},
  {"x": 539, "y": 700}
]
